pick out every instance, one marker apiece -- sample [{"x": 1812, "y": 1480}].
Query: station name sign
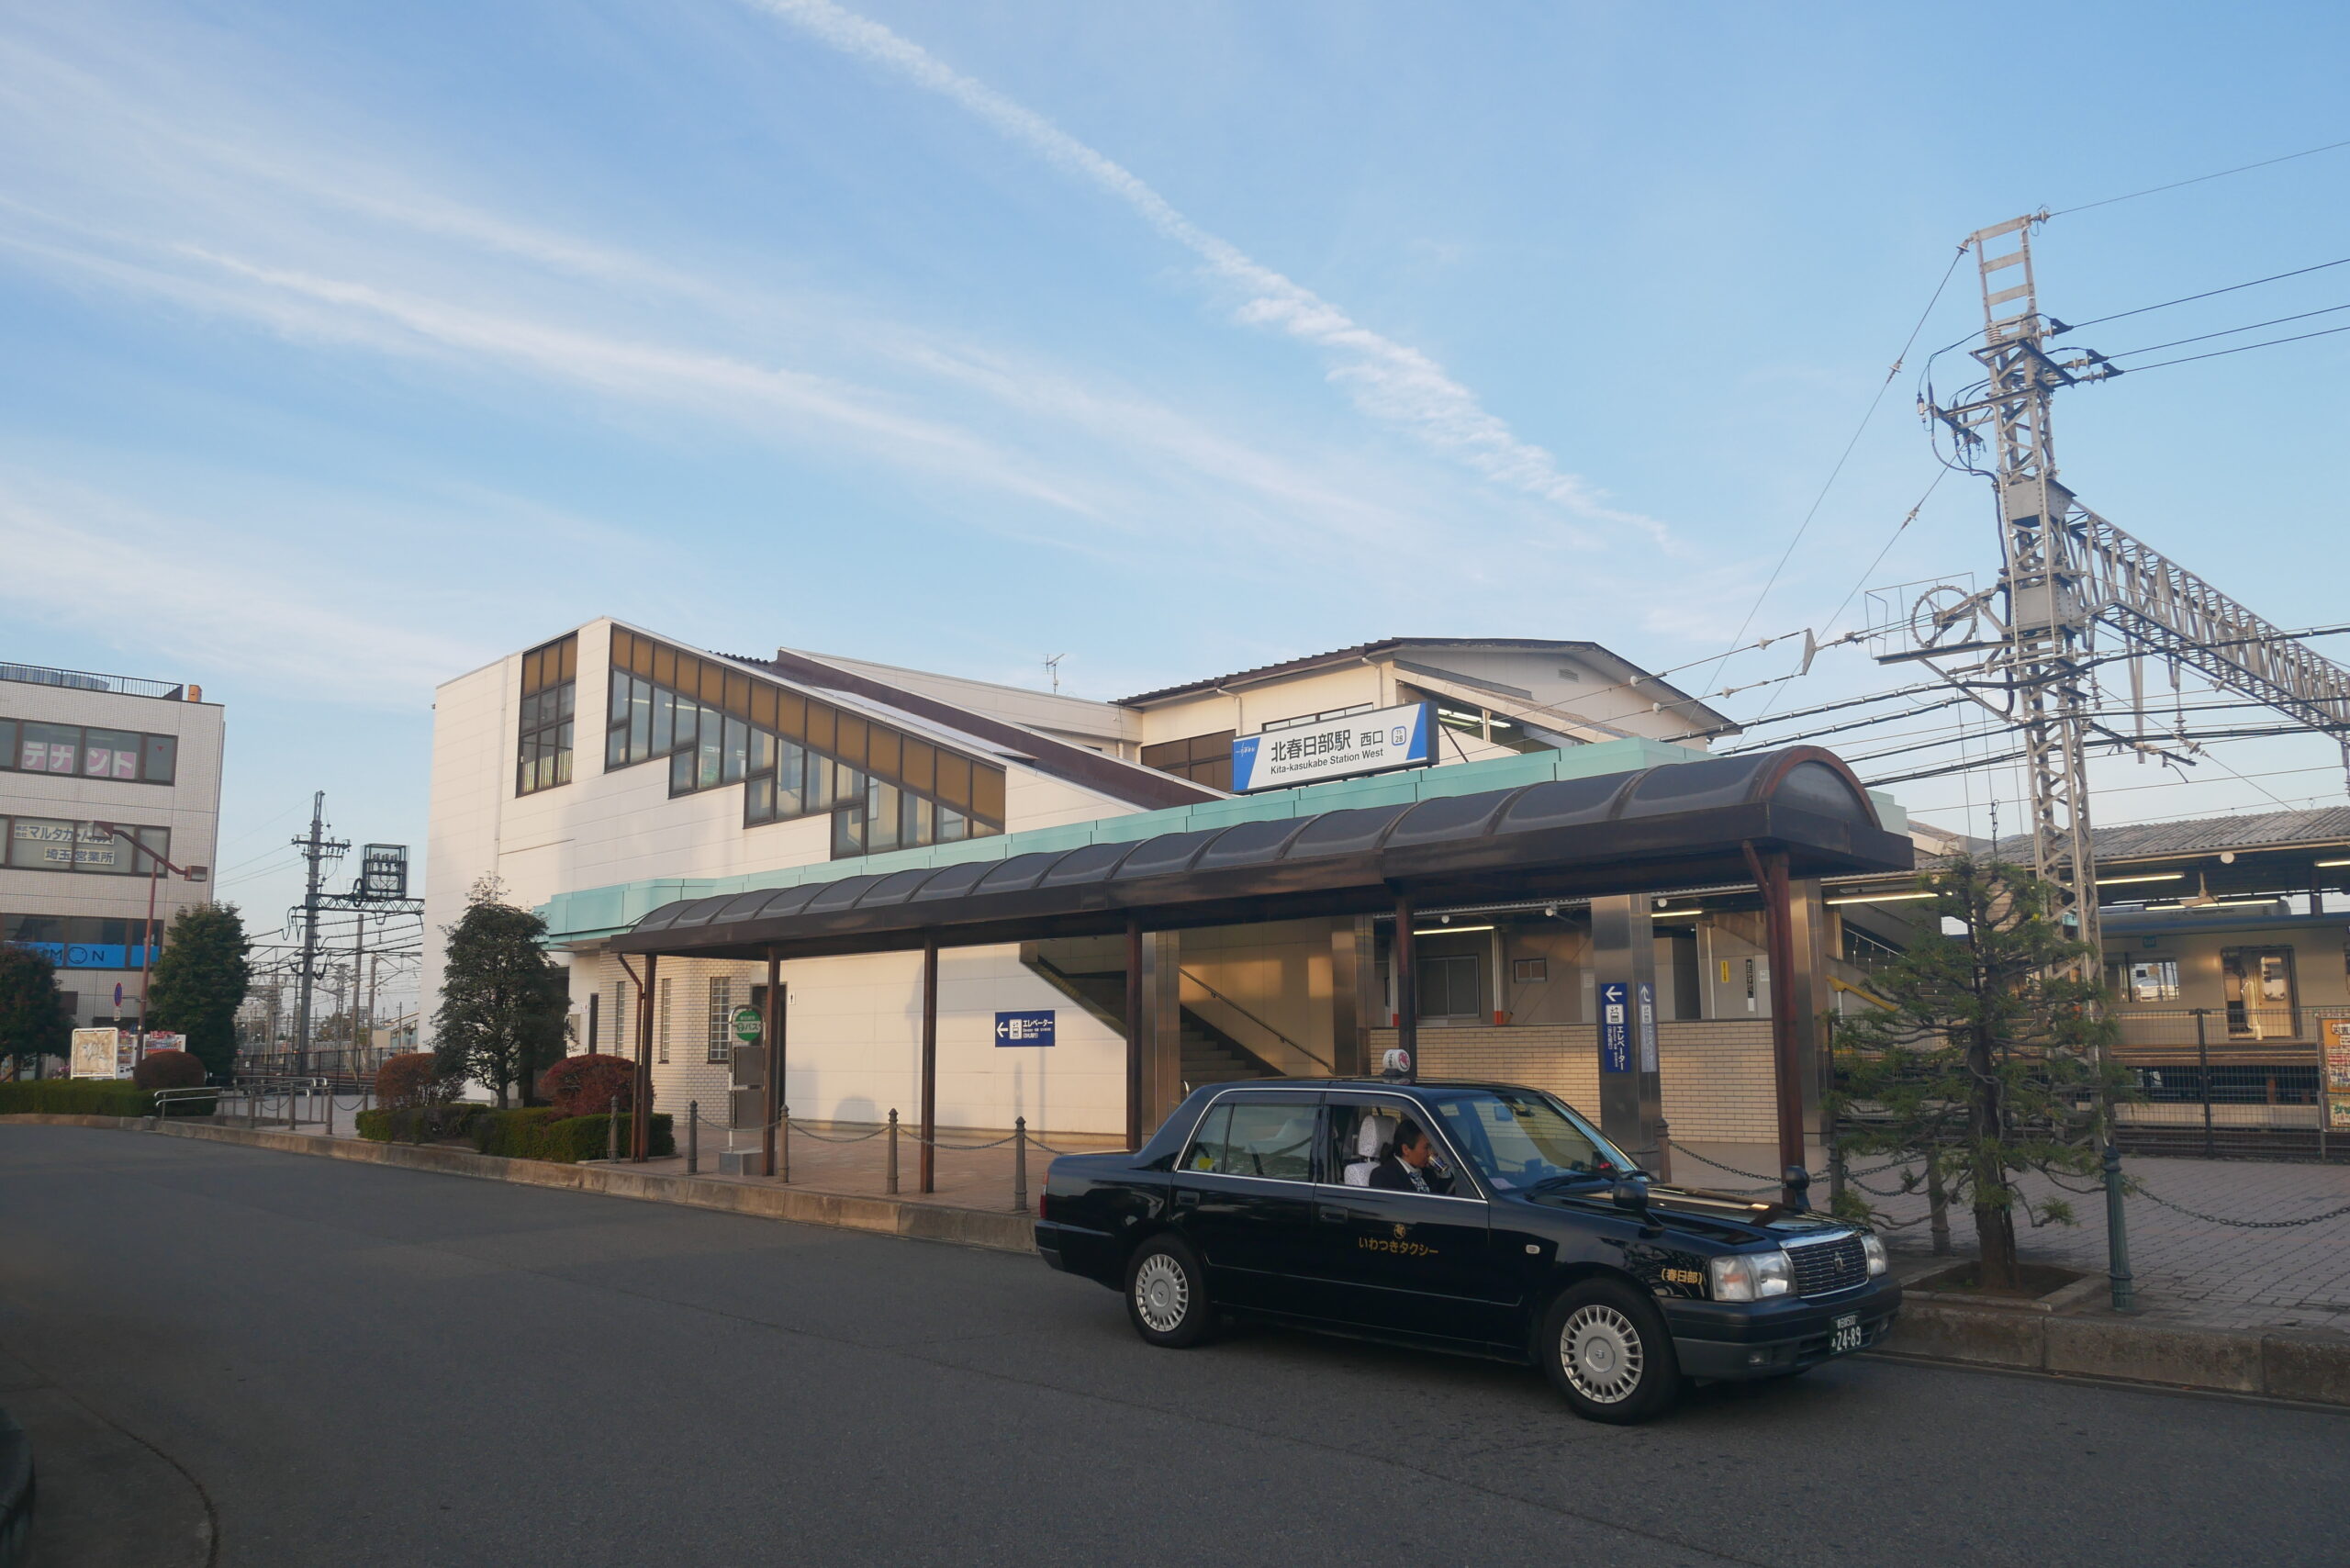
[{"x": 1370, "y": 742}]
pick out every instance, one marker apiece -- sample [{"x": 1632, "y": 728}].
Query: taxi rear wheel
[
  {"x": 1605, "y": 1348},
  {"x": 1166, "y": 1295}
]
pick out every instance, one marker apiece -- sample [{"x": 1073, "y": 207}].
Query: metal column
[
  {"x": 1135, "y": 1034},
  {"x": 640, "y": 1148},
  {"x": 1770, "y": 871},
  {"x": 1407, "y": 989},
  {"x": 929, "y": 1156},
  {"x": 773, "y": 1096},
  {"x": 1623, "y": 953}
]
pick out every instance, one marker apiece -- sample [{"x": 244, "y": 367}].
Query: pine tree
[
  {"x": 504, "y": 1003},
  {"x": 199, "y": 981},
  {"x": 33, "y": 1020},
  {"x": 1989, "y": 1062}
]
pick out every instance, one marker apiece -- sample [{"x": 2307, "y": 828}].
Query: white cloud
[{"x": 1390, "y": 381}]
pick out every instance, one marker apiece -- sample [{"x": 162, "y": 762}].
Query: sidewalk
[{"x": 2187, "y": 1271}]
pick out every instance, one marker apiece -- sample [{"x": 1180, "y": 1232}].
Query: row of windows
[
  {"x": 41, "y": 844},
  {"x": 795, "y": 756},
  {"x": 1203, "y": 759},
  {"x": 550, "y": 691},
  {"x": 29, "y": 747}
]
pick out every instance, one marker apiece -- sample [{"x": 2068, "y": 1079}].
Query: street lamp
[{"x": 147, "y": 937}]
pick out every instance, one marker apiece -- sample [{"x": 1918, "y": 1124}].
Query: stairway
[{"x": 1208, "y": 1055}]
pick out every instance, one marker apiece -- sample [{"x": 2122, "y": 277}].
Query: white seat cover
[{"x": 1371, "y": 1141}]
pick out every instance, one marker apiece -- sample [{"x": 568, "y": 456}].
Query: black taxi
[{"x": 1479, "y": 1218}]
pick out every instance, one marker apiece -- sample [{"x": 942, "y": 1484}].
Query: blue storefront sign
[
  {"x": 1024, "y": 1028},
  {"x": 1614, "y": 1028},
  {"x": 89, "y": 955}
]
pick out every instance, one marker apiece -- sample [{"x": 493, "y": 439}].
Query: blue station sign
[{"x": 1024, "y": 1028}]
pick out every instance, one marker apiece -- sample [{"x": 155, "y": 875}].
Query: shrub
[
  {"x": 168, "y": 1069},
  {"x": 575, "y": 1138},
  {"x": 77, "y": 1097},
  {"x": 512, "y": 1134},
  {"x": 420, "y": 1123},
  {"x": 591, "y": 1085},
  {"x": 412, "y": 1078}
]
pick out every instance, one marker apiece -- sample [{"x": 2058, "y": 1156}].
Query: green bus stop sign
[{"x": 748, "y": 1026}]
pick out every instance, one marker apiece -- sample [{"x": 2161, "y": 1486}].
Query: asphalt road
[{"x": 361, "y": 1365}]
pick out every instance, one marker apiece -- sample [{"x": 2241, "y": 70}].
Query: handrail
[{"x": 1276, "y": 1034}]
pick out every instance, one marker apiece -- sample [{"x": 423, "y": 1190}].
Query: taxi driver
[{"x": 1407, "y": 1168}]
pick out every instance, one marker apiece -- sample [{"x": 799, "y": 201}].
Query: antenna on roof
[{"x": 1053, "y": 670}]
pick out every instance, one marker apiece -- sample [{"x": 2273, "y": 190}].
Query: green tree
[
  {"x": 199, "y": 981},
  {"x": 33, "y": 1020},
  {"x": 1989, "y": 1061},
  {"x": 504, "y": 1003}
]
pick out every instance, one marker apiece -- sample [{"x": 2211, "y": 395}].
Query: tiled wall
[{"x": 1717, "y": 1074}]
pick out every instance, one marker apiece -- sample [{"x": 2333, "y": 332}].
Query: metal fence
[
  {"x": 345, "y": 1065},
  {"x": 2237, "y": 1082}
]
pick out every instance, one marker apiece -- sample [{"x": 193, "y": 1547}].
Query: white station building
[{"x": 610, "y": 771}]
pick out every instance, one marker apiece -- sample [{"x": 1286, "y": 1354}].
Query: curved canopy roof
[{"x": 1608, "y": 834}]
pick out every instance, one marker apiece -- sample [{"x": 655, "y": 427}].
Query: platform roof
[{"x": 1609, "y": 833}]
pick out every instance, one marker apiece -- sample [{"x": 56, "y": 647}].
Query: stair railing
[{"x": 1276, "y": 1034}]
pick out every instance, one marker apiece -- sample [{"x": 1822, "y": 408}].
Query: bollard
[
  {"x": 693, "y": 1138},
  {"x": 612, "y": 1130},
  {"x": 1020, "y": 1164},
  {"x": 329, "y": 1110},
  {"x": 894, "y": 1151},
  {"x": 783, "y": 1146},
  {"x": 2117, "y": 1235}
]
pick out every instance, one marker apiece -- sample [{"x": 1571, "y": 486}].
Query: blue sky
[{"x": 352, "y": 345}]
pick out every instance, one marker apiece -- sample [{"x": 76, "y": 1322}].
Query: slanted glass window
[
  {"x": 1203, "y": 759},
  {"x": 549, "y": 693}
]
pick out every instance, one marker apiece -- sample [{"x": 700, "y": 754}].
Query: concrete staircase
[{"x": 1209, "y": 1054}]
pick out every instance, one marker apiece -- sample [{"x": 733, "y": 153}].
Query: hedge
[
  {"x": 89, "y": 1097},
  {"x": 421, "y": 1124},
  {"x": 538, "y": 1133},
  {"x": 575, "y": 1138}
]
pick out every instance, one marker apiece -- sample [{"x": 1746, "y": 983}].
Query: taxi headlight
[
  {"x": 1874, "y": 1250},
  {"x": 1751, "y": 1276}
]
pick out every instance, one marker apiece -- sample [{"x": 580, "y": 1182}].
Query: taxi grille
[{"x": 1828, "y": 1267}]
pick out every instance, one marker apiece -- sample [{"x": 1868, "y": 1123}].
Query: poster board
[
  {"x": 2334, "y": 1044},
  {"x": 101, "y": 1053}
]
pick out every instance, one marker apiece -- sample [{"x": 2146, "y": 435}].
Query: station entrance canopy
[{"x": 1678, "y": 824}]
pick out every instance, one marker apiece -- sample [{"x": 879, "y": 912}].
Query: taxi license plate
[{"x": 1846, "y": 1335}]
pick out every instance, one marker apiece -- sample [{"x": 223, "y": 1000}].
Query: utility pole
[{"x": 317, "y": 849}]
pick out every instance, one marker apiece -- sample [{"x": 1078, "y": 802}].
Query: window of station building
[
  {"x": 46, "y": 844},
  {"x": 719, "y": 1048},
  {"x": 1203, "y": 759},
  {"x": 549, "y": 693},
  {"x": 28, "y": 745},
  {"x": 1480, "y": 723},
  {"x": 795, "y": 756}
]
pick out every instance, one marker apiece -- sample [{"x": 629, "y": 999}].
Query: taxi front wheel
[
  {"x": 1606, "y": 1347},
  {"x": 1166, "y": 1295}
]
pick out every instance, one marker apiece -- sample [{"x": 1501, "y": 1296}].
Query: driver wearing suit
[{"x": 1408, "y": 1166}]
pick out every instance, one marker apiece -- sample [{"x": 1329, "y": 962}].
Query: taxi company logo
[
  {"x": 1399, "y": 1233},
  {"x": 1683, "y": 1277}
]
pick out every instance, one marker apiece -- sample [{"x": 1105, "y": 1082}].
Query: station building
[
  {"x": 81, "y": 756},
  {"x": 610, "y": 772}
]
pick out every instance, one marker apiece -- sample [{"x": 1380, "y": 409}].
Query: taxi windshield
[{"x": 1518, "y": 1139}]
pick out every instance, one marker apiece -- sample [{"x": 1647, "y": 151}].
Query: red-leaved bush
[
  {"x": 168, "y": 1069},
  {"x": 411, "y": 1078},
  {"x": 591, "y": 1085}
]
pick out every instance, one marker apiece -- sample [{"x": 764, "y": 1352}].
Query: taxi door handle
[
  {"x": 1332, "y": 1213},
  {"x": 1187, "y": 1196}
]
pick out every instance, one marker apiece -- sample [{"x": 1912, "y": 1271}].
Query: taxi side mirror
[{"x": 1631, "y": 1194}]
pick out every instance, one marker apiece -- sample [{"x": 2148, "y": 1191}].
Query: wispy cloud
[{"x": 1390, "y": 381}]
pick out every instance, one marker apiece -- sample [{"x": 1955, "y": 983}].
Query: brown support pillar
[
  {"x": 1347, "y": 1017},
  {"x": 774, "y": 1036},
  {"x": 640, "y": 1134},
  {"x": 1134, "y": 1026},
  {"x": 1407, "y": 988},
  {"x": 929, "y": 1060},
  {"x": 1770, "y": 870}
]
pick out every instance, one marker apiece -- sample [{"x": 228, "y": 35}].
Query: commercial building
[
  {"x": 100, "y": 776},
  {"x": 611, "y": 773}
]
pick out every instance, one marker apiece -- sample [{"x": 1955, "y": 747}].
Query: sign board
[
  {"x": 1370, "y": 742},
  {"x": 1614, "y": 1028},
  {"x": 1024, "y": 1028},
  {"x": 2336, "y": 1041},
  {"x": 749, "y": 1026},
  {"x": 1648, "y": 1027},
  {"x": 157, "y": 1040},
  {"x": 101, "y": 1053}
]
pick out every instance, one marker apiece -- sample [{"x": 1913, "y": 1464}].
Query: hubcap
[
  {"x": 1601, "y": 1353},
  {"x": 1161, "y": 1293}
]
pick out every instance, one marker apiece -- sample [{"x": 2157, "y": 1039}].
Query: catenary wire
[
  {"x": 2241, "y": 348},
  {"x": 2226, "y": 332},
  {"x": 2186, "y": 298},
  {"x": 2199, "y": 179}
]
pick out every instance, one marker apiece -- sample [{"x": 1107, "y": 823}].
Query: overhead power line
[
  {"x": 2240, "y": 348},
  {"x": 2199, "y": 179},
  {"x": 2059, "y": 328},
  {"x": 2227, "y": 332}
]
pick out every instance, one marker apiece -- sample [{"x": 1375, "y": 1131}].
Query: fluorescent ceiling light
[
  {"x": 2335, "y": 862},
  {"x": 1447, "y": 930},
  {"x": 1882, "y": 898},
  {"x": 2157, "y": 877}
]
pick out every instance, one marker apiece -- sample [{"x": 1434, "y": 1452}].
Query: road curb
[
  {"x": 998, "y": 1230},
  {"x": 2313, "y": 1369},
  {"x": 15, "y": 1493}
]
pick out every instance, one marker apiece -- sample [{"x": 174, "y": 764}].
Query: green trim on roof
[{"x": 593, "y": 913}]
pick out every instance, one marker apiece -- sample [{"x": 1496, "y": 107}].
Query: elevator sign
[
  {"x": 1370, "y": 742},
  {"x": 1024, "y": 1028},
  {"x": 1614, "y": 1028}
]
